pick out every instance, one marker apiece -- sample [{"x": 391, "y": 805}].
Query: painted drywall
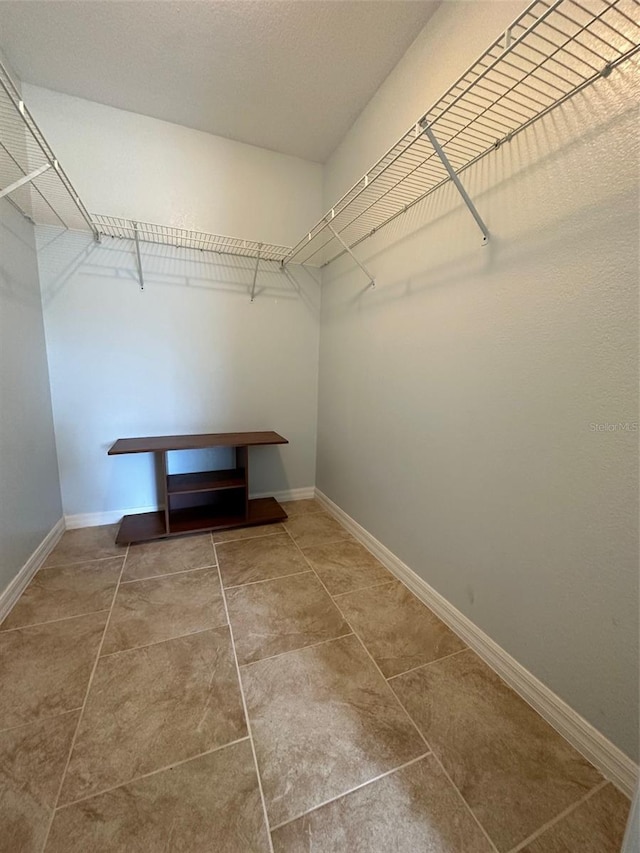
[
  {"x": 10, "y": 70},
  {"x": 126, "y": 164},
  {"x": 29, "y": 488},
  {"x": 190, "y": 353},
  {"x": 469, "y": 405}
]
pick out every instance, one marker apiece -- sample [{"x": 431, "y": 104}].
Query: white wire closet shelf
[
  {"x": 30, "y": 176},
  {"x": 551, "y": 52},
  {"x": 183, "y": 238}
]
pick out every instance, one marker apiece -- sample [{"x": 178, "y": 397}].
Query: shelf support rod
[
  {"x": 348, "y": 249},
  {"x": 138, "y": 258},
  {"x": 255, "y": 273},
  {"x": 24, "y": 180},
  {"x": 456, "y": 180}
]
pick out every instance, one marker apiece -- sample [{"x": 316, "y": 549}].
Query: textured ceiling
[{"x": 289, "y": 75}]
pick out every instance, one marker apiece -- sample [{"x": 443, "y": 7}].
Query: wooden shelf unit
[{"x": 203, "y": 500}]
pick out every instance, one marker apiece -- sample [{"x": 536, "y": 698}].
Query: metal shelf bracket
[
  {"x": 255, "y": 273},
  {"x": 24, "y": 180},
  {"x": 456, "y": 180},
  {"x": 347, "y": 249},
  {"x": 138, "y": 257}
]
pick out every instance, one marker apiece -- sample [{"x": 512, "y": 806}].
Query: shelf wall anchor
[
  {"x": 255, "y": 273},
  {"x": 456, "y": 180},
  {"x": 138, "y": 258},
  {"x": 348, "y": 249},
  {"x": 25, "y": 180}
]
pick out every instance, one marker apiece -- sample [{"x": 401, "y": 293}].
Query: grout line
[
  {"x": 170, "y": 574},
  {"x": 542, "y": 829},
  {"x": 465, "y": 804},
  {"x": 164, "y": 640},
  {"x": 362, "y": 588},
  {"x": 266, "y": 580},
  {"x": 51, "y": 621},
  {"x": 79, "y": 562},
  {"x": 151, "y": 773},
  {"x": 352, "y": 790},
  {"x": 348, "y": 537},
  {"x": 410, "y": 718},
  {"x": 244, "y": 705},
  {"x": 428, "y": 663},
  {"x": 355, "y": 634},
  {"x": 40, "y": 720},
  {"x": 84, "y": 704},
  {"x": 408, "y": 715},
  {"x": 248, "y": 538},
  {"x": 300, "y": 649}
]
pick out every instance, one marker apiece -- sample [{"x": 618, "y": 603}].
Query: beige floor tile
[
  {"x": 323, "y": 722},
  {"x": 317, "y": 528},
  {"x": 414, "y": 810},
  {"x": 63, "y": 591},
  {"x": 167, "y": 556},
  {"x": 211, "y": 803},
  {"x": 346, "y": 565},
  {"x": 32, "y": 761},
  {"x": 512, "y": 768},
  {"x": 295, "y": 508},
  {"x": 596, "y": 826},
  {"x": 249, "y": 560},
  {"x": 397, "y": 629},
  {"x": 153, "y": 706},
  {"x": 281, "y": 615},
  {"x": 156, "y": 609},
  {"x": 45, "y": 669},
  {"x": 247, "y": 532},
  {"x": 86, "y": 543}
]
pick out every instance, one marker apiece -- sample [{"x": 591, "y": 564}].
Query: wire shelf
[
  {"x": 49, "y": 198},
  {"x": 182, "y": 238},
  {"x": 551, "y": 52}
]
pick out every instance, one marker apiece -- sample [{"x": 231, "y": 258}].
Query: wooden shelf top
[{"x": 152, "y": 444}]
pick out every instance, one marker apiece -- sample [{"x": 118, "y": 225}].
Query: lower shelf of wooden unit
[{"x": 150, "y": 525}]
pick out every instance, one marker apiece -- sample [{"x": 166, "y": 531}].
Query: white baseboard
[
  {"x": 302, "y": 494},
  {"x": 12, "y": 593},
  {"x": 611, "y": 761},
  {"x": 95, "y": 519}
]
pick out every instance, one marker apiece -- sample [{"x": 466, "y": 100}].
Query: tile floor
[{"x": 271, "y": 688}]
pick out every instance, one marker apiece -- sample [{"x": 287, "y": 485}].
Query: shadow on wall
[
  {"x": 468, "y": 261},
  {"x": 14, "y": 285},
  {"x": 541, "y": 151},
  {"x": 63, "y": 254}
]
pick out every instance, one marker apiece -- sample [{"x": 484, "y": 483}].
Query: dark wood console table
[{"x": 205, "y": 500}]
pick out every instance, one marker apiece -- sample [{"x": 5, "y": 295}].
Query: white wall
[
  {"x": 29, "y": 488},
  {"x": 190, "y": 353},
  {"x": 125, "y": 164},
  {"x": 456, "y": 400}
]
